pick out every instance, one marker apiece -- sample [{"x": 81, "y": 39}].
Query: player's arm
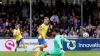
[
  {"x": 64, "y": 39},
  {"x": 15, "y": 34},
  {"x": 39, "y": 31},
  {"x": 60, "y": 45},
  {"x": 46, "y": 34},
  {"x": 68, "y": 41},
  {"x": 47, "y": 37}
]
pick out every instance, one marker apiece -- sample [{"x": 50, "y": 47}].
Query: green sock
[
  {"x": 16, "y": 48},
  {"x": 24, "y": 46},
  {"x": 44, "y": 54}
]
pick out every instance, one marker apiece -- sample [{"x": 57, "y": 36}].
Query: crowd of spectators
[{"x": 65, "y": 16}]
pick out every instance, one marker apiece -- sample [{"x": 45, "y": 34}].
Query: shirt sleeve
[
  {"x": 64, "y": 39},
  {"x": 41, "y": 25},
  {"x": 14, "y": 33}
]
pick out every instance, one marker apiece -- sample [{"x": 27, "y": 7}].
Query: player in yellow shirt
[
  {"x": 42, "y": 30},
  {"x": 18, "y": 36}
]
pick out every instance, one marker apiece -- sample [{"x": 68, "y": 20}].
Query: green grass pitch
[{"x": 68, "y": 53}]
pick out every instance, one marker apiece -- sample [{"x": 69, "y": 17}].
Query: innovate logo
[
  {"x": 83, "y": 44},
  {"x": 9, "y": 44},
  {"x": 90, "y": 45}
]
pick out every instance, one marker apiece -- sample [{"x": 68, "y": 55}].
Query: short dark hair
[
  {"x": 46, "y": 17},
  {"x": 17, "y": 24},
  {"x": 57, "y": 30}
]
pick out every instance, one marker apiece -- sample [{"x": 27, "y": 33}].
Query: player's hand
[
  {"x": 18, "y": 34},
  {"x": 73, "y": 41},
  {"x": 63, "y": 51},
  {"x": 42, "y": 36}
]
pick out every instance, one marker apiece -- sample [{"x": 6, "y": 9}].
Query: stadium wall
[
  {"x": 81, "y": 44},
  {"x": 10, "y": 44}
]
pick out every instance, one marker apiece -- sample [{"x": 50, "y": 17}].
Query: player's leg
[
  {"x": 41, "y": 49},
  {"x": 38, "y": 46},
  {"x": 45, "y": 45},
  {"x": 61, "y": 53},
  {"x": 22, "y": 41},
  {"x": 45, "y": 53},
  {"x": 39, "y": 52},
  {"x": 52, "y": 52},
  {"x": 17, "y": 45},
  {"x": 42, "y": 44}
]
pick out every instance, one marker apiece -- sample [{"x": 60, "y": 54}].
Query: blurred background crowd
[{"x": 66, "y": 16}]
